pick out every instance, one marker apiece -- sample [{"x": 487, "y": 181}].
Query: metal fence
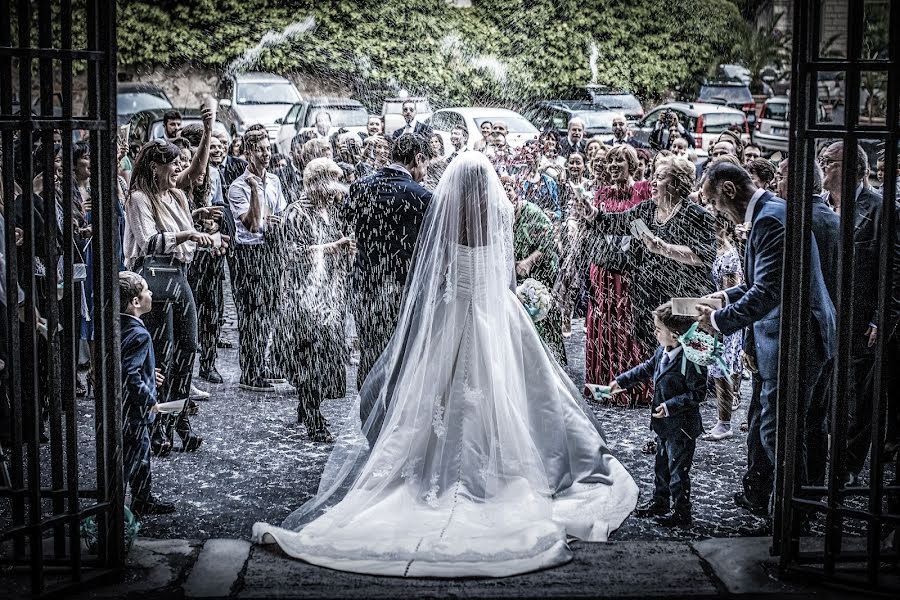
[
  {"x": 44, "y": 501},
  {"x": 859, "y": 547}
]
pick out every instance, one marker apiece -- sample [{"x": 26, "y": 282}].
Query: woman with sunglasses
[{"x": 159, "y": 230}]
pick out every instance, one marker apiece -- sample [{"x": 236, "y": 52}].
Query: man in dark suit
[
  {"x": 412, "y": 126},
  {"x": 865, "y": 326},
  {"x": 757, "y": 302},
  {"x": 574, "y": 142},
  {"x": 621, "y": 134},
  {"x": 386, "y": 210},
  {"x": 678, "y": 390}
]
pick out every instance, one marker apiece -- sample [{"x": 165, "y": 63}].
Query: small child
[
  {"x": 139, "y": 381},
  {"x": 675, "y": 417}
]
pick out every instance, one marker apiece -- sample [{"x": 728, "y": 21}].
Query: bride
[{"x": 469, "y": 451}]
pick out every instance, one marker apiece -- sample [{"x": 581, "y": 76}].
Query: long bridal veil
[{"x": 469, "y": 451}]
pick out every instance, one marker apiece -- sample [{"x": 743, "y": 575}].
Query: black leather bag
[{"x": 164, "y": 275}]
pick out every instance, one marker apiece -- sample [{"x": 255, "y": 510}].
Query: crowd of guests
[{"x": 317, "y": 277}]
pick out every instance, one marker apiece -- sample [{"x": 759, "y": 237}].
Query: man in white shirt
[{"x": 256, "y": 200}]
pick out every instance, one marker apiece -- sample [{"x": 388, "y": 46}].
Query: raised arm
[{"x": 199, "y": 164}]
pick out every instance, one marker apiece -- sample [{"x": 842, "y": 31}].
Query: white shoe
[
  {"x": 198, "y": 394},
  {"x": 721, "y": 431}
]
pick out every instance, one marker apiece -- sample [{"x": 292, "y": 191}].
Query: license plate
[{"x": 778, "y": 131}]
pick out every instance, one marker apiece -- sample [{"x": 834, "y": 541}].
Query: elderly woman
[
  {"x": 537, "y": 257},
  {"x": 309, "y": 346},
  {"x": 675, "y": 258},
  {"x": 160, "y": 242}
]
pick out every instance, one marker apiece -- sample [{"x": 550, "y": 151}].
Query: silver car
[
  {"x": 248, "y": 98},
  {"x": 772, "y": 128}
]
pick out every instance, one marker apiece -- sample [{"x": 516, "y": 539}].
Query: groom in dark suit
[
  {"x": 757, "y": 302},
  {"x": 386, "y": 211}
]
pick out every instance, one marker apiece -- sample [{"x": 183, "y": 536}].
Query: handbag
[{"x": 163, "y": 274}]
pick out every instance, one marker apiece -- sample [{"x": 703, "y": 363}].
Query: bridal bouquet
[
  {"x": 535, "y": 297},
  {"x": 702, "y": 349}
]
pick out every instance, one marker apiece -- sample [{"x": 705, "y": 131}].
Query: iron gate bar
[
  {"x": 791, "y": 497},
  {"x": 15, "y": 123},
  {"x": 55, "y": 53}
]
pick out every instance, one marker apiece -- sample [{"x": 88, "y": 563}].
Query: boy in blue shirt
[
  {"x": 675, "y": 417},
  {"x": 139, "y": 381}
]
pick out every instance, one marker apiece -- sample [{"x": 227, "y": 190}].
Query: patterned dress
[
  {"x": 612, "y": 347},
  {"x": 533, "y": 231},
  {"x": 728, "y": 263},
  {"x": 309, "y": 345}
]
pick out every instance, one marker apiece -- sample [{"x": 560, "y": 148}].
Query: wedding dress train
[{"x": 473, "y": 454}]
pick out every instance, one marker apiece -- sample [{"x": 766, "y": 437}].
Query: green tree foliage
[{"x": 497, "y": 50}]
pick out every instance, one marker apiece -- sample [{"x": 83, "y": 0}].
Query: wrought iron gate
[
  {"x": 859, "y": 547},
  {"x": 45, "y": 500}
]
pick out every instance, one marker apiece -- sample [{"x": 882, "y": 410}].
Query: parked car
[
  {"x": 704, "y": 121},
  {"x": 773, "y": 127},
  {"x": 392, "y": 110},
  {"x": 734, "y": 93},
  {"x": 444, "y": 120},
  {"x": 248, "y": 98},
  {"x": 617, "y": 101},
  {"x": 344, "y": 112},
  {"x": 555, "y": 115},
  {"x": 147, "y": 125},
  {"x": 132, "y": 98}
]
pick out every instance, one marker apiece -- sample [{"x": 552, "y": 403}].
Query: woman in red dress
[{"x": 612, "y": 347}]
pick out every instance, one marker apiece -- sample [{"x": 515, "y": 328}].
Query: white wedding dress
[{"x": 473, "y": 453}]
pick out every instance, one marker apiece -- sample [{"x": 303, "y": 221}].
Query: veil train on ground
[{"x": 469, "y": 451}]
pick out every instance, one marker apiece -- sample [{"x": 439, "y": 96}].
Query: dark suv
[
  {"x": 555, "y": 115},
  {"x": 733, "y": 93}
]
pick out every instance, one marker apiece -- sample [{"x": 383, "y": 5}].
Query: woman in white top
[{"x": 160, "y": 242}]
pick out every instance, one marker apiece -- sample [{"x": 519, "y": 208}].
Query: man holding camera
[{"x": 668, "y": 127}]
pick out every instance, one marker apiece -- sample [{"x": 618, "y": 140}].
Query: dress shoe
[
  {"x": 256, "y": 385},
  {"x": 654, "y": 508},
  {"x": 211, "y": 375},
  {"x": 764, "y": 530},
  {"x": 151, "y": 506},
  {"x": 676, "y": 518},
  {"x": 742, "y": 501}
]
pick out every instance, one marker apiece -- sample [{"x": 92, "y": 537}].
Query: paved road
[{"x": 256, "y": 462}]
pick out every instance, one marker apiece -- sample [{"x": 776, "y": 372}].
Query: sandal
[{"x": 649, "y": 447}]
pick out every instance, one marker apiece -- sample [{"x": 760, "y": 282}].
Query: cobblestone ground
[{"x": 256, "y": 463}]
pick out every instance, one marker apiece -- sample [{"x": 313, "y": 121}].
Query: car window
[
  {"x": 515, "y": 123},
  {"x": 341, "y": 115},
  {"x": 617, "y": 101},
  {"x": 737, "y": 94},
  {"x": 292, "y": 114},
  {"x": 456, "y": 120},
  {"x": 719, "y": 122},
  {"x": 267, "y": 93},
  {"x": 136, "y": 102},
  {"x": 777, "y": 111},
  {"x": 596, "y": 119},
  {"x": 440, "y": 122},
  {"x": 560, "y": 120},
  {"x": 225, "y": 88}
]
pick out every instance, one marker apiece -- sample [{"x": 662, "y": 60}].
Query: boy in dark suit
[
  {"x": 139, "y": 381},
  {"x": 675, "y": 418}
]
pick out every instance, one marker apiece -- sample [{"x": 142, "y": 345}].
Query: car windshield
[
  {"x": 596, "y": 120},
  {"x": 341, "y": 116},
  {"x": 513, "y": 124},
  {"x": 777, "y": 111},
  {"x": 619, "y": 101},
  {"x": 279, "y": 92},
  {"x": 396, "y": 106},
  {"x": 157, "y": 130},
  {"x": 136, "y": 102},
  {"x": 738, "y": 94},
  {"x": 719, "y": 122}
]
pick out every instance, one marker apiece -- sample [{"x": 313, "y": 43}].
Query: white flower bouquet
[{"x": 536, "y": 299}]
